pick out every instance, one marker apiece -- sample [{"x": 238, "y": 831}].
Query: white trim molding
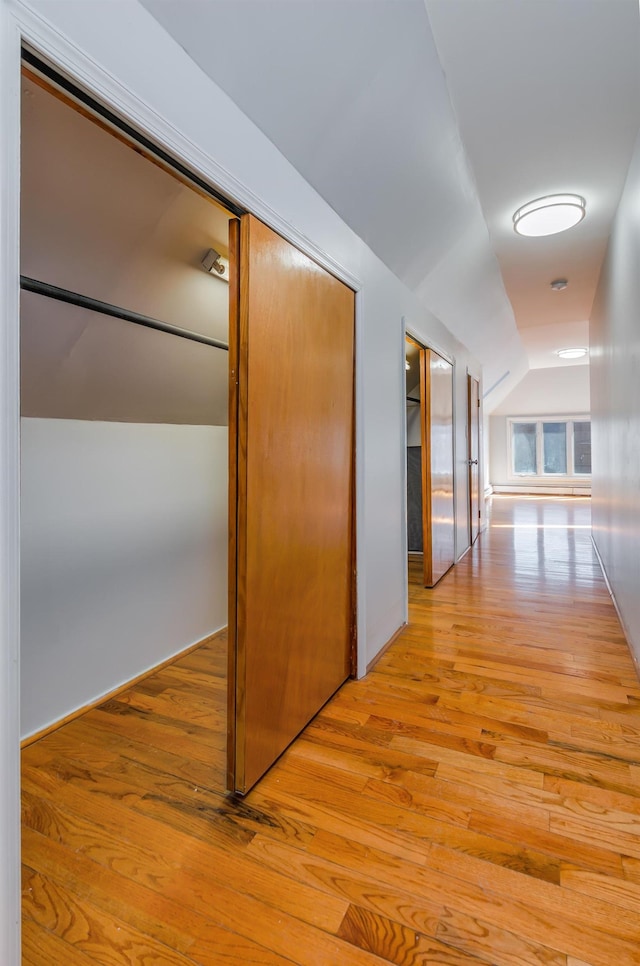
[
  {"x": 359, "y": 459},
  {"x": 403, "y": 457},
  {"x": 9, "y": 491}
]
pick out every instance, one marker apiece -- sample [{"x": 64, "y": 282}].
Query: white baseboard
[
  {"x": 625, "y": 630},
  {"x": 542, "y": 489}
]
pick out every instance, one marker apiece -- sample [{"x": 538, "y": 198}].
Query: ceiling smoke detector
[{"x": 559, "y": 284}]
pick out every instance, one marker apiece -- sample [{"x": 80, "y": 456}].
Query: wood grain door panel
[
  {"x": 293, "y": 469},
  {"x": 473, "y": 429},
  {"x": 439, "y": 417}
]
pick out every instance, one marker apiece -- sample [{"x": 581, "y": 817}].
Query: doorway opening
[
  {"x": 130, "y": 278},
  {"x": 124, "y": 397},
  {"x": 430, "y": 492}
]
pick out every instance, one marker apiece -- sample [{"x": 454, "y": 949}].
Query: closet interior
[{"x": 124, "y": 397}]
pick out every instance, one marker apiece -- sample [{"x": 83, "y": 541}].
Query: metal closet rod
[{"x": 106, "y": 308}]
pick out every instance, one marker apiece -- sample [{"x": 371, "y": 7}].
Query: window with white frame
[{"x": 550, "y": 446}]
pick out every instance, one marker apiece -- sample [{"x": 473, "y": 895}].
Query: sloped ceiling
[
  {"x": 547, "y": 96},
  {"x": 539, "y": 96},
  {"x": 100, "y": 219},
  {"x": 354, "y": 96}
]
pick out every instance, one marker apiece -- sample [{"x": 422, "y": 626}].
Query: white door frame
[{"x": 427, "y": 343}]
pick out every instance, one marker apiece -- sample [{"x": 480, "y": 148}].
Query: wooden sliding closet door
[
  {"x": 473, "y": 430},
  {"x": 291, "y": 622},
  {"x": 437, "y": 453}
]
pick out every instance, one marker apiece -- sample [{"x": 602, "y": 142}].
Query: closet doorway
[
  {"x": 124, "y": 401},
  {"x": 135, "y": 536},
  {"x": 430, "y": 494}
]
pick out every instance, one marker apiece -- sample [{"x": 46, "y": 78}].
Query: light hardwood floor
[{"x": 475, "y": 800}]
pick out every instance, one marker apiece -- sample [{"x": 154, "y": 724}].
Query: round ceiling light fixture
[
  {"x": 549, "y": 215},
  {"x": 574, "y": 353},
  {"x": 559, "y": 284}
]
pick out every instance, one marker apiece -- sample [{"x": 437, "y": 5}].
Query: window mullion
[
  {"x": 571, "y": 469},
  {"x": 539, "y": 450}
]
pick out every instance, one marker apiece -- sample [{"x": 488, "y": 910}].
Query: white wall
[
  {"x": 125, "y": 57},
  {"x": 545, "y": 392},
  {"x": 124, "y": 554},
  {"x": 615, "y": 409},
  {"x": 558, "y": 391}
]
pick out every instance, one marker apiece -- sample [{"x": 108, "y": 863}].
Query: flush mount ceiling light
[
  {"x": 559, "y": 284},
  {"x": 549, "y": 215},
  {"x": 575, "y": 353}
]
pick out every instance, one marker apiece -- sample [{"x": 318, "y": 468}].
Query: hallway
[{"x": 475, "y": 800}]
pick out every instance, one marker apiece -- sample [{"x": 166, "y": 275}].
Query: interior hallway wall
[
  {"x": 124, "y": 554},
  {"x": 615, "y": 408}
]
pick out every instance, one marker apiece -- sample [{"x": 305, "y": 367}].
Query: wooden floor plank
[
  {"x": 147, "y": 910},
  {"x": 92, "y": 930},
  {"x": 396, "y": 943},
  {"x": 474, "y": 801}
]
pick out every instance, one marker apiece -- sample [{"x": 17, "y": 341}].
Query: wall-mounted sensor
[{"x": 215, "y": 264}]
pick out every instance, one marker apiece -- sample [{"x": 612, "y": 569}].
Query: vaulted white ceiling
[
  {"x": 547, "y": 96},
  {"x": 426, "y": 123}
]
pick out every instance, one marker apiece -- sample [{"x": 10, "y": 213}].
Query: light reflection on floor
[{"x": 549, "y": 537}]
